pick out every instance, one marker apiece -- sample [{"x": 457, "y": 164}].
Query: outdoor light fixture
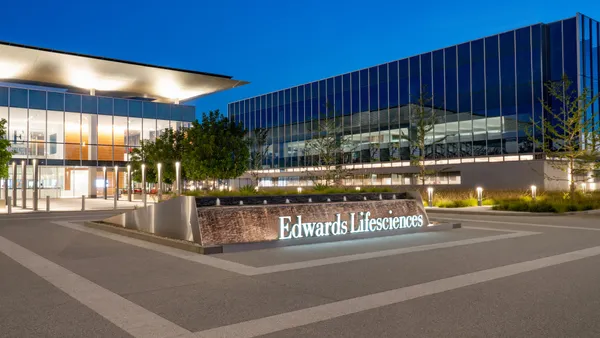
[
  {"x": 159, "y": 183},
  {"x": 430, "y": 197},
  {"x": 299, "y": 190},
  {"x": 177, "y": 177},
  {"x": 256, "y": 188},
  {"x": 479, "y": 196},
  {"x": 583, "y": 187},
  {"x": 533, "y": 192},
  {"x": 357, "y": 188}
]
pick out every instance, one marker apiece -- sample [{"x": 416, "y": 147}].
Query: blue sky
[{"x": 272, "y": 44}]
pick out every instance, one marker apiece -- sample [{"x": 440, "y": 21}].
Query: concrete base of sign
[{"x": 248, "y": 227}]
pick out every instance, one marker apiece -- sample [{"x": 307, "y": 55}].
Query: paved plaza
[{"x": 498, "y": 276}]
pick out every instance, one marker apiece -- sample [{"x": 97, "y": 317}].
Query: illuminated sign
[{"x": 356, "y": 223}]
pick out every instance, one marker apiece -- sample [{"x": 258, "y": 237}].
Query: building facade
[
  {"x": 77, "y": 115},
  {"x": 485, "y": 94}
]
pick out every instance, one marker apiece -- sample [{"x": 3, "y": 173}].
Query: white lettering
[
  {"x": 337, "y": 227},
  {"x": 284, "y": 227}
]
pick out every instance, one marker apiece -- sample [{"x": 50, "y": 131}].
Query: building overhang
[{"x": 111, "y": 77}]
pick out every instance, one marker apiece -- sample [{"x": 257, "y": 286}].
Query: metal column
[
  {"x": 116, "y": 181},
  {"x": 35, "y": 185},
  {"x": 129, "y": 183},
  {"x": 104, "y": 184},
  {"x": 14, "y": 184},
  {"x": 24, "y": 184},
  {"x": 159, "y": 184},
  {"x": 144, "y": 198}
]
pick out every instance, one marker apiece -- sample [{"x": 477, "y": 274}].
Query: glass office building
[
  {"x": 70, "y": 135},
  {"x": 78, "y": 115},
  {"x": 485, "y": 94}
]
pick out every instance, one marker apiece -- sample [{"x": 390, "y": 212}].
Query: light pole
[
  {"x": 159, "y": 184},
  {"x": 178, "y": 178},
  {"x": 116, "y": 184},
  {"x": 35, "y": 185},
  {"x": 430, "y": 197},
  {"x": 144, "y": 184},
  {"x": 129, "y": 183},
  {"x": 104, "y": 188},
  {"x": 24, "y": 184},
  {"x": 14, "y": 184},
  {"x": 479, "y": 196}
]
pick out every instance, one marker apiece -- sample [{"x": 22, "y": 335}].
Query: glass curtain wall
[
  {"x": 67, "y": 132},
  {"x": 485, "y": 94},
  {"x": 589, "y": 71}
]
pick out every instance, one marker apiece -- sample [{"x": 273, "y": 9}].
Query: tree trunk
[{"x": 572, "y": 186}]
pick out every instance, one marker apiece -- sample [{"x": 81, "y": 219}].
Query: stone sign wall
[
  {"x": 209, "y": 224},
  {"x": 248, "y": 224}
]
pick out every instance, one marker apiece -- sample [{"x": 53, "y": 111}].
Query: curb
[{"x": 182, "y": 245}]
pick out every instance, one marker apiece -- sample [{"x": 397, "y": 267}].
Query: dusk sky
[{"x": 272, "y": 44}]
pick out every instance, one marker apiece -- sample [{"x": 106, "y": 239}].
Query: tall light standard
[
  {"x": 116, "y": 185},
  {"x": 178, "y": 178},
  {"x": 129, "y": 183},
  {"x": 35, "y": 184},
  {"x": 14, "y": 184},
  {"x": 24, "y": 183},
  {"x": 144, "y": 184},
  {"x": 159, "y": 184},
  {"x": 104, "y": 185},
  {"x": 430, "y": 197}
]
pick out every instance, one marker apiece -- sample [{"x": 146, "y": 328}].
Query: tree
[
  {"x": 421, "y": 134},
  {"x": 218, "y": 149},
  {"x": 330, "y": 149},
  {"x": 5, "y": 153},
  {"x": 144, "y": 155},
  {"x": 167, "y": 149},
  {"x": 259, "y": 144},
  {"x": 571, "y": 132}
]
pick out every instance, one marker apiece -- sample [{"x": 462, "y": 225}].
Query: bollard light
[
  {"x": 357, "y": 188},
  {"x": 479, "y": 196},
  {"x": 533, "y": 192},
  {"x": 144, "y": 197},
  {"x": 256, "y": 188},
  {"x": 159, "y": 183},
  {"x": 104, "y": 184},
  {"x": 178, "y": 177},
  {"x": 430, "y": 197},
  {"x": 583, "y": 187},
  {"x": 299, "y": 190},
  {"x": 129, "y": 183}
]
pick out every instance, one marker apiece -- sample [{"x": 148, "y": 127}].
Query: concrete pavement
[{"x": 497, "y": 277}]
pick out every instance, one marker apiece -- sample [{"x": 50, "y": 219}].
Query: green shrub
[{"x": 248, "y": 190}]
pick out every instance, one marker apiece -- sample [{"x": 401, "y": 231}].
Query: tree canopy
[
  {"x": 5, "y": 153},
  {"x": 211, "y": 149}
]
